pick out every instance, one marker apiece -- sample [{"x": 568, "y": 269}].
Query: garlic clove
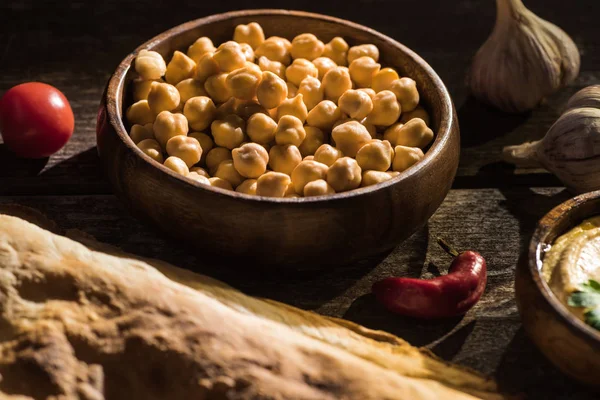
[
  {"x": 586, "y": 97},
  {"x": 525, "y": 59}
]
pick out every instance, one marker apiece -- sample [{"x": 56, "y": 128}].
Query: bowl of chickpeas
[{"x": 279, "y": 138}]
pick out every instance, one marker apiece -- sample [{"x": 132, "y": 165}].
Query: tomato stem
[{"x": 447, "y": 247}]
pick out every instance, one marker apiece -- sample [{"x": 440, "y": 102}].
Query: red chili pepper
[{"x": 445, "y": 296}]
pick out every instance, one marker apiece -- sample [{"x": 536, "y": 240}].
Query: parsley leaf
[
  {"x": 592, "y": 318},
  {"x": 588, "y": 297}
]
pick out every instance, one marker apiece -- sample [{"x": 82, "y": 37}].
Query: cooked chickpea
[
  {"x": 344, "y": 174},
  {"x": 313, "y": 140},
  {"x": 412, "y": 134},
  {"x": 292, "y": 89},
  {"x": 294, "y": 106},
  {"x": 418, "y": 112},
  {"x": 150, "y": 65},
  {"x": 179, "y": 68},
  {"x": 261, "y": 128},
  {"x": 324, "y": 115},
  {"x": 369, "y": 92},
  {"x": 275, "y": 48},
  {"x": 272, "y": 184},
  {"x": 308, "y": 158},
  {"x": 247, "y": 187},
  {"x": 374, "y": 177},
  {"x": 284, "y": 158},
  {"x": 356, "y": 104},
  {"x": 168, "y": 125},
  {"x": 382, "y": 79},
  {"x": 207, "y": 67},
  {"x": 216, "y": 87},
  {"x": 406, "y": 92},
  {"x": 200, "y": 171},
  {"x": 220, "y": 183},
  {"x": 163, "y": 97},
  {"x": 215, "y": 157},
  {"x": 300, "y": 69},
  {"x": 200, "y": 112},
  {"x": 140, "y": 113},
  {"x": 141, "y": 88},
  {"x": 307, "y": 171},
  {"x": 350, "y": 137},
  {"x": 375, "y": 155},
  {"x": 141, "y": 132},
  {"x": 189, "y": 88},
  {"x": 228, "y": 108},
  {"x": 386, "y": 109},
  {"x": 248, "y": 52},
  {"x": 226, "y": 170},
  {"x": 250, "y": 160},
  {"x": 251, "y": 34},
  {"x": 319, "y": 187},
  {"x": 177, "y": 164},
  {"x": 243, "y": 82},
  {"x": 327, "y": 154},
  {"x": 186, "y": 148},
  {"x": 246, "y": 109},
  {"x": 337, "y": 50},
  {"x": 324, "y": 64},
  {"x": 272, "y": 90},
  {"x": 311, "y": 91},
  {"x": 336, "y": 82},
  {"x": 152, "y": 149},
  {"x": 362, "y": 70},
  {"x": 199, "y": 178},
  {"x": 289, "y": 131},
  {"x": 371, "y": 128},
  {"x": 272, "y": 66},
  {"x": 228, "y": 132},
  {"x": 200, "y": 47},
  {"x": 405, "y": 157},
  {"x": 229, "y": 56},
  {"x": 306, "y": 45},
  {"x": 363, "y": 50}
]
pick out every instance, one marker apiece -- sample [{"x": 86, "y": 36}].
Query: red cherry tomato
[{"x": 36, "y": 120}]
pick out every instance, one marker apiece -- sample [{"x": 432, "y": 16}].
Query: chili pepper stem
[{"x": 447, "y": 247}]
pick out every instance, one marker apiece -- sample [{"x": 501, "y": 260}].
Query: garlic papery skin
[
  {"x": 570, "y": 150},
  {"x": 524, "y": 60},
  {"x": 586, "y": 97}
]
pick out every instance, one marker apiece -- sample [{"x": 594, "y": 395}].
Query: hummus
[{"x": 573, "y": 260}]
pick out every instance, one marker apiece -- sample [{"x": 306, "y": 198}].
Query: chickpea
[
  {"x": 362, "y": 70},
  {"x": 246, "y": 109},
  {"x": 275, "y": 48},
  {"x": 300, "y": 69},
  {"x": 306, "y": 45},
  {"x": 289, "y": 131},
  {"x": 243, "y": 82},
  {"x": 324, "y": 115},
  {"x": 272, "y": 184},
  {"x": 141, "y": 88},
  {"x": 140, "y": 113},
  {"x": 284, "y": 158},
  {"x": 382, "y": 79},
  {"x": 200, "y": 112},
  {"x": 376, "y": 155},
  {"x": 163, "y": 97},
  {"x": 294, "y": 106},
  {"x": 152, "y": 149},
  {"x": 308, "y": 158},
  {"x": 250, "y": 160},
  {"x": 248, "y": 52},
  {"x": 412, "y": 134},
  {"x": 229, "y": 56},
  {"x": 292, "y": 89},
  {"x": 150, "y": 65},
  {"x": 177, "y": 164},
  {"x": 217, "y": 89},
  {"x": 337, "y": 50},
  {"x": 368, "y": 91},
  {"x": 199, "y": 178},
  {"x": 200, "y": 47},
  {"x": 207, "y": 67},
  {"x": 141, "y": 132},
  {"x": 179, "y": 68},
  {"x": 350, "y": 137},
  {"x": 406, "y": 92},
  {"x": 327, "y": 154},
  {"x": 374, "y": 177},
  {"x": 356, "y": 104},
  {"x": 368, "y": 50},
  {"x": 336, "y": 82},
  {"x": 319, "y": 187},
  {"x": 293, "y": 195},
  {"x": 251, "y": 34},
  {"x": 418, "y": 112},
  {"x": 228, "y": 132},
  {"x": 220, "y": 183},
  {"x": 226, "y": 170},
  {"x": 254, "y": 67},
  {"x": 371, "y": 128},
  {"x": 324, "y": 64},
  {"x": 189, "y": 88},
  {"x": 406, "y": 157},
  {"x": 272, "y": 90},
  {"x": 261, "y": 128},
  {"x": 168, "y": 125},
  {"x": 344, "y": 174},
  {"x": 386, "y": 109},
  {"x": 311, "y": 91},
  {"x": 247, "y": 187},
  {"x": 230, "y": 107},
  {"x": 200, "y": 171},
  {"x": 186, "y": 148},
  {"x": 313, "y": 140},
  {"x": 215, "y": 157},
  {"x": 307, "y": 171},
  {"x": 272, "y": 66}
]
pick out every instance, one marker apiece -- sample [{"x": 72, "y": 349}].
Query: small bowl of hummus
[{"x": 558, "y": 287}]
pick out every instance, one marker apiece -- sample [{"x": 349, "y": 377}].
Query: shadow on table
[{"x": 13, "y": 166}]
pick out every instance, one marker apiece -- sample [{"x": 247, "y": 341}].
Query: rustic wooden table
[{"x": 492, "y": 208}]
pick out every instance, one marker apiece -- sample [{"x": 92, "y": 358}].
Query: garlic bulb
[
  {"x": 525, "y": 59},
  {"x": 586, "y": 97}
]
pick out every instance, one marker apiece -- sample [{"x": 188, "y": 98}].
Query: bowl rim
[
  {"x": 539, "y": 246},
  {"x": 116, "y": 85}
]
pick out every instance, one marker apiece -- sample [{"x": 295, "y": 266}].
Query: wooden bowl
[
  {"x": 304, "y": 233},
  {"x": 568, "y": 342}
]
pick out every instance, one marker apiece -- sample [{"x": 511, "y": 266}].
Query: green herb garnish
[{"x": 589, "y": 298}]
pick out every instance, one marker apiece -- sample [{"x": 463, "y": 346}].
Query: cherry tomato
[{"x": 36, "y": 120}]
